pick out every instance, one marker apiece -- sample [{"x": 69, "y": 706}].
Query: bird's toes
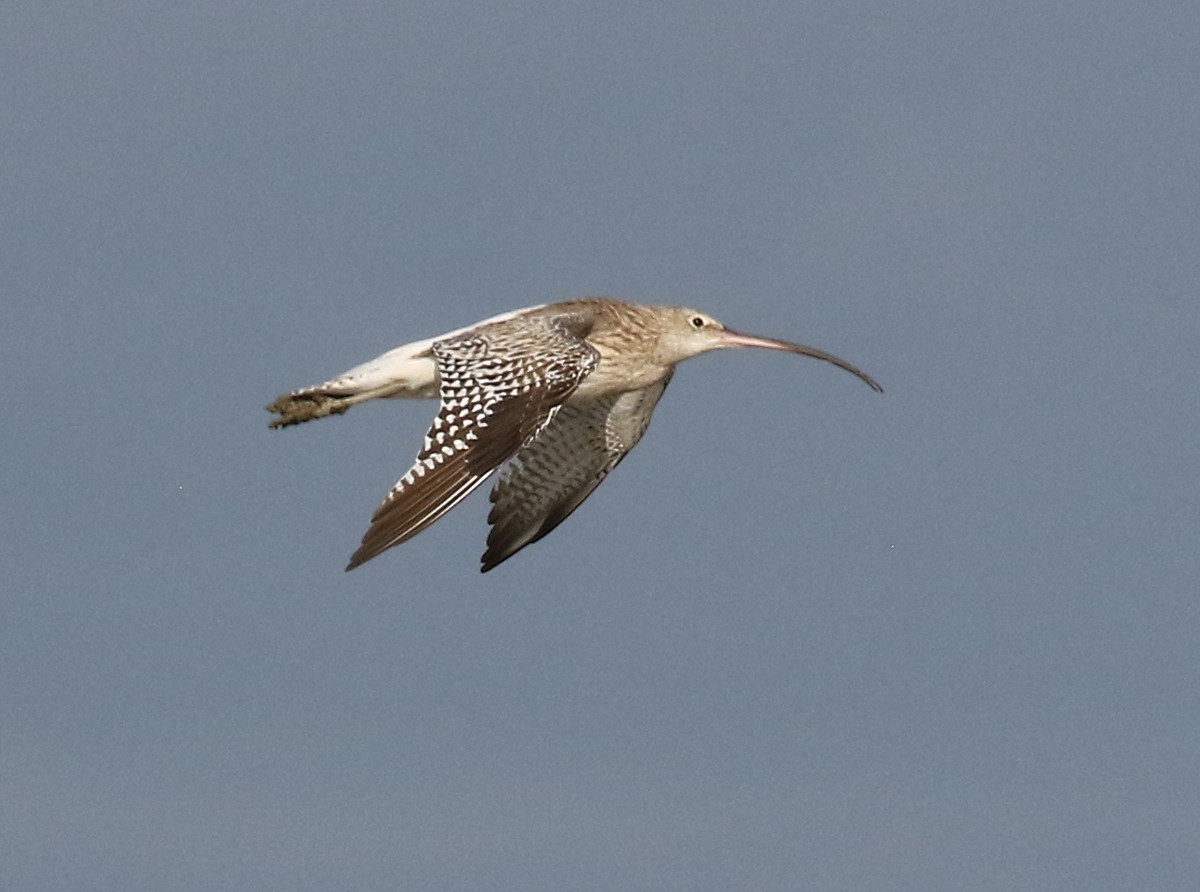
[{"x": 296, "y": 408}]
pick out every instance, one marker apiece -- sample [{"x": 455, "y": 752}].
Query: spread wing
[
  {"x": 499, "y": 385},
  {"x": 555, "y": 471}
]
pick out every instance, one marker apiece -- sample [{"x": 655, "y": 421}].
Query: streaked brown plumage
[{"x": 561, "y": 392}]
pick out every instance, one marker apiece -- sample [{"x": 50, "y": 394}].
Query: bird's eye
[{"x": 697, "y": 322}]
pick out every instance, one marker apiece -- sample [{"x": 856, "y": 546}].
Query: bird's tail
[
  {"x": 407, "y": 372},
  {"x": 398, "y": 374}
]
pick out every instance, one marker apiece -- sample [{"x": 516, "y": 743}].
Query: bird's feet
[{"x": 294, "y": 408}]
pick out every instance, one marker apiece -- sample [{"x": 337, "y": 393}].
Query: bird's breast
[{"x": 617, "y": 372}]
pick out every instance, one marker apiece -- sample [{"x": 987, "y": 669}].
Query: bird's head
[{"x": 690, "y": 332}]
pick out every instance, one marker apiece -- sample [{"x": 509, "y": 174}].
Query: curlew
[{"x": 557, "y": 394}]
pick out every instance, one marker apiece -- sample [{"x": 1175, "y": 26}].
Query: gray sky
[{"x": 805, "y": 637}]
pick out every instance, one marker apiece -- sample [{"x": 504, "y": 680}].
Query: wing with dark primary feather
[
  {"x": 500, "y": 385},
  {"x": 552, "y": 475}
]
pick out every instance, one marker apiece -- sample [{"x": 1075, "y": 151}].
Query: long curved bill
[{"x": 731, "y": 338}]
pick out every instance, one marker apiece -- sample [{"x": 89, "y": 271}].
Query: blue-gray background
[{"x": 805, "y": 637}]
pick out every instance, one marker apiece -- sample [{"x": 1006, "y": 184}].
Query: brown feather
[{"x": 500, "y": 385}]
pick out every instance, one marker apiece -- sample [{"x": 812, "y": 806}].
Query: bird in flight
[{"x": 557, "y": 394}]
